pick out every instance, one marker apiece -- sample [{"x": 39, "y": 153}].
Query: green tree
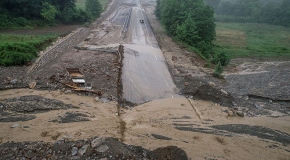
[
  {"x": 187, "y": 32},
  {"x": 48, "y": 11},
  {"x": 93, "y": 8},
  {"x": 189, "y": 21}
]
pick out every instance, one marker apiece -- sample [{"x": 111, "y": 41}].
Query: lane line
[
  {"x": 166, "y": 83},
  {"x": 155, "y": 57}
]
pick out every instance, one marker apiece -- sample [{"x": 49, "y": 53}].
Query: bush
[
  {"x": 218, "y": 70},
  {"x": 222, "y": 58},
  {"x": 16, "y": 53}
]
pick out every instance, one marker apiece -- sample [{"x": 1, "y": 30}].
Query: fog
[{"x": 260, "y": 11}]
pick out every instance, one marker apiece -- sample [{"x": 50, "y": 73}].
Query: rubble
[{"x": 108, "y": 148}]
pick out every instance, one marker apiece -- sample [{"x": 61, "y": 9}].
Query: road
[{"x": 145, "y": 75}]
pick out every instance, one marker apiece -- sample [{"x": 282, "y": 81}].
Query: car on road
[{"x": 142, "y": 21}]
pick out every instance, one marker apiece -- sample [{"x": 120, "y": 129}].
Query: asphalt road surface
[{"x": 145, "y": 73}]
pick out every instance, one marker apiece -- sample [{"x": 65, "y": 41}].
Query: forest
[
  {"x": 275, "y": 12},
  {"x": 191, "y": 22},
  {"x": 188, "y": 21},
  {"x": 40, "y": 13}
]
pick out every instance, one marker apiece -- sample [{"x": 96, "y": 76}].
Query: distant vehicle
[{"x": 142, "y": 21}]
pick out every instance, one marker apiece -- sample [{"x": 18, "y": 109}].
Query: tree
[
  {"x": 93, "y": 8},
  {"x": 157, "y": 11},
  {"x": 187, "y": 32},
  {"x": 189, "y": 21},
  {"x": 48, "y": 11}
]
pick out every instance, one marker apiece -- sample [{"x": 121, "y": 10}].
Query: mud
[
  {"x": 259, "y": 131},
  {"x": 23, "y": 108},
  {"x": 70, "y": 117}
]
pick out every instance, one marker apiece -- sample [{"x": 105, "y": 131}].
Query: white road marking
[
  {"x": 155, "y": 57},
  {"x": 166, "y": 83}
]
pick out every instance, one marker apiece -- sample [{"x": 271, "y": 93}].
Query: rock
[
  {"x": 74, "y": 151},
  {"x": 104, "y": 100},
  {"x": 97, "y": 142},
  {"x": 15, "y": 126},
  {"x": 240, "y": 113},
  {"x": 83, "y": 149},
  {"x": 68, "y": 91},
  {"x": 224, "y": 92},
  {"x": 234, "y": 103},
  {"x": 230, "y": 113},
  {"x": 5, "y": 82},
  {"x": 97, "y": 98},
  {"x": 32, "y": 85},
  {"x": 211, "y": 84},
  {"x": 257, "y": 105},
  {"x": 14, "y": 81},
  {"x": 173, "y": 58},
  {"x": 102, "y": 148}
]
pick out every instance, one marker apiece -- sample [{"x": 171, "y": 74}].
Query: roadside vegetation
[
  {"x": 190, "y": 22},
  {"x": 219, "y": 30},
  {"x": 21, "y": 49},
  {"x": 40, "y": 13},
  {"x": 19, "y": 14}
]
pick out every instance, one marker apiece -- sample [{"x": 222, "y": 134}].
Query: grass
[
  {"x": 20, "y": 49},
  {"x": 252, "y": 40},
  {"x": 14, "y": 38},
  {"x": 81, "y": 3}
]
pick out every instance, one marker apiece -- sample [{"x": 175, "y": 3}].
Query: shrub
[
  {"x": 218, "y": 70},
  {"x": 222, "y": 58},
  {"x": 16, "y": 53}
]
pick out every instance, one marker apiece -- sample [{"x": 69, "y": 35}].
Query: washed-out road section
[{"x": 145, "y": 75}]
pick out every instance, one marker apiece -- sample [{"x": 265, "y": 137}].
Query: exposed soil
[{"x": 99, "y": 68}]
